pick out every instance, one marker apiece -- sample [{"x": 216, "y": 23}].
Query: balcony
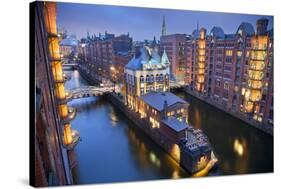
[
  {"x": 70, "y": 116},
  {"x": 62, "y": 79},
  {"x": 75, "y": 139},
  {"x": 254, "y": 65},
  {"x": 255, "y": 75},
  {"x": 253, "y": 84},
  {"x": 61, "y": 101},
  {"x": 68, "y": 96}
]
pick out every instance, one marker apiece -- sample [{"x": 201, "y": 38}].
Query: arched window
[
  {"x": 151, "y": 78},
  {"x": 141, "y": 79},
  {"x": 157, "y": 77},
  {"x": 147, "y": 78},
  {"x": 161, "y": 77}
]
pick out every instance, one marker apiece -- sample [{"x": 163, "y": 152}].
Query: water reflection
[
  {"x": 114, "y": 118},
  {"x": 151, "y": 155},
  {"x": 112, "y": 148},
  {"x": 239, "y": 147}
]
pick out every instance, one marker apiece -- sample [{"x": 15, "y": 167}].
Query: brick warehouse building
[
  {"x": 54, "y": 138},
  {"x": 220, "y": 68},
  {"x": 211, "y": 64},
  {"x": 106, "y": 54}
]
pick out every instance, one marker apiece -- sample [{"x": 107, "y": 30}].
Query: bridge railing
[{"x": 89, "y": 91}]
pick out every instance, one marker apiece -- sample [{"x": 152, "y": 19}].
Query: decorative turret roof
[
  {"x": 154, "y": 42},
  {"x": 146, "y": 59},
  {"x": 247, "y": 28},
  {"x": 217, "y": 32},
  {"x": 164, "y": 58}
]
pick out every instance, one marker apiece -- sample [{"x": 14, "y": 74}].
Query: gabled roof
[
  {"x": 247, "y": 28},
  {"x": 217, "y": 32},
  {"x": 157, "y": 99},
  {"x": 146, "y": 58}
]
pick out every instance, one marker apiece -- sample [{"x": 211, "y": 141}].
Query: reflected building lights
[
  {"x": 175, "y": 174},
  {"x": 154, "y": 159},
  {"x": 76, "y": 78},
  {"x": 238, "y": 147}
]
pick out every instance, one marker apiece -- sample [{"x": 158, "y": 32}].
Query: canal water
[{"x": 111, "y": 150}]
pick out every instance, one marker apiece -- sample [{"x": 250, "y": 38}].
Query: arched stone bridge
[
  {"x": 87, "y": 91},
  {"x": 175, "y": 85}
]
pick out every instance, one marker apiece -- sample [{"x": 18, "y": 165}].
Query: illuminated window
[
  {"x": 243, "y": 91},
  {"x": 226, "y": 86},
  {"x": 154, "y": 123},
  {"x": 236, "y": 88},
  {"x": 239, "y": 53},
  {"x": 247, "y": 94},
  {"x": 228, "y": 52},
  {"x": 157, "y": 124},
  {"x": 180, "y": 119}
]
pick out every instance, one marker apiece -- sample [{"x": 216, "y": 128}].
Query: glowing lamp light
[{"x": 112, "y": 68}]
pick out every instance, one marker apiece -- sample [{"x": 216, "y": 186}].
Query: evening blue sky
[{"x": 143, "y": 23}]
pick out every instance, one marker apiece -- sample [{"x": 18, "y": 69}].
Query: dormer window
[{"x": 240, "y": 32}]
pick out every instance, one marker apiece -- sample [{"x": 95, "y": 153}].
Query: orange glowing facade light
[
  {"x": 55, "y": 61},
  {"x": 68, "y": 138},
  {"x": 201, "y": 60},
  {"x": 256, "y": 69}
]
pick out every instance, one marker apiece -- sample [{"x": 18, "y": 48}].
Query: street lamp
[{"x": 112, "y": 69}]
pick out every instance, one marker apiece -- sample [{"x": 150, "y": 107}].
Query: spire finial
[{"x": 163, "y": 26}]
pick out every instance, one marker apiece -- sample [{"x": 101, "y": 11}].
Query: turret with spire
[
  {"x": 163, "y": 27},
  {"x": 164, "y": 58},
  {"x": 154, "y": 44}
]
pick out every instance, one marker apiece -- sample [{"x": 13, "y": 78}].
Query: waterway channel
[{"x": 111, "y": 150}]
